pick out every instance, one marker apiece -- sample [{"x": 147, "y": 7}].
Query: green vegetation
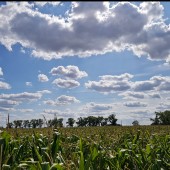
[
  {"x": 162, "y": 118},
  {"x": 86, "y": 148},
  {"x": 97, "y": 143}
]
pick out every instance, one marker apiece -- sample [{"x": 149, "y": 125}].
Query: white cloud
[
  {"x": 168, "y": 98},
  {"x": 128, "y": 94},
  {"x": 66, "y": 83},
  {"x": 131, "y": 89},
  {"x": 28, "y": 83},
  {"x": 58, "y": 113},
  {"x": 70, "y": 71},
  {"x": 42, "y": 3},
  {"x": 163, "y": 106},
  {"x": 154, "y": 83},
  {"x": 44, "y": 92},
  {"x": 62, "y": 100},
  {"x": 90, "y": 28},
  {"x": 67, "y": 99},
  {"x": 95, "y": 107},
  {"x": 155, "y": 95},
  {"x": 25, "y": 110},
  {"x": 5, "y": 109},
  {"x": 42, "y": 78},
  {"x": 1, "y": 72},
  {"x": 22, "y": 50},
  {"x": 8, "y": 103},
  {"x": 109, "y": 83},
  {"x": 22, "y": 96},
  {"x": 4, "y": 85},
  {"x": 135, "y": 104}
]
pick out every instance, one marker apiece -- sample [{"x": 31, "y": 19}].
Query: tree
[
  {"x": 17, "y": 123},
  {"x": 70, "y": 122},
  {"x": 135, "y": 123},
  {"x": 161, "y": 118},
  {"x": 10, "y": 125},
  {"x": 82, "y": 122},
  {"x": 40, "y": 123},
  {"x": 112, "y": 119},
  {"x": 34, "y": 123},
  {"x": 60, "y": 122},
  {"x": 26, "y": 123}
]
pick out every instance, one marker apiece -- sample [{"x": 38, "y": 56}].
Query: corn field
[{"x": 88, "y": 148}]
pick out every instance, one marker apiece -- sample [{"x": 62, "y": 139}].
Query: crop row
[{"x": 86, "y": 149}]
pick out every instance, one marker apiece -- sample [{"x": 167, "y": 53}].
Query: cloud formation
[
  {"x": 42, "y": 78},
  {"x": 62, "y": 83},
  {"x": 71, "y": 72},
  {"x": 123, "y": 83},
  {"x": 135, "y": 104},
  {"x": 109, "y": 83},
  {"x": 89, "y": 28},
  {"x": 62, "y": 100},
  {"x": 131, "y": 94},
  {"x": 25, "y": 96},
  {"x": 28, "y": 83},
  {"x": 4, "y": 85},
  {"x": 1, "y": 72},
  {"x": 95, "y": 107}
]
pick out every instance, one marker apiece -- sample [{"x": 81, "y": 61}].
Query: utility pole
[{"x": 8, "y": 122}]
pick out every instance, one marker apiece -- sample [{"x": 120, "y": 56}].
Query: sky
[{"x": 79, "y": 59}]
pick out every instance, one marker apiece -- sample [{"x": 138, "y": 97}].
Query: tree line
[
  {"x": 81, "y": 122},
  {"x": 161, "y": 118}
]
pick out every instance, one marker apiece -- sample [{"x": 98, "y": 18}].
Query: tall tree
[
  {"x": 60, "y": 122},
  {"x": 112, "y": 119},
  {"x": 70, "y": 122},
  {"x": 82, "y": 122},
  {"x": 26, "y": 123},
  {"x": 161, "y": 118},
  {"x": 135, "y": 123},
  {"x": 34, "y": 123}
]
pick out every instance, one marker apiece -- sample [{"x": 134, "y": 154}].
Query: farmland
[{"x": 86, "y": 148}]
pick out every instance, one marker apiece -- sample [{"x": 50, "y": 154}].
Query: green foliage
[
  {"x": 162, "y": 118},
  {"x": 90, "y": 148}
]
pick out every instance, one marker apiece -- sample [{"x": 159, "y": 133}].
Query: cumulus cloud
[
  {"x": 22, "y": 96},
  {"x": 155, "y": 95},
  {"x": 70, "y": 71},
  {"x": 66, "y": 113},
  {"x": 135, "y": 104},
  {"x": 109, "y": 83},
  {"x": 28, "y": 84},
  {"x": 89, "y": 28},
  {"x": 66, "y": 83},
  {"x": 42, "y": 3},
  {"x": 160, "y": 83},
  {"x": 128, "y": 94},
  {"x": 95, "y": 107},
  {"x": 5, "y": 109},
  {"x": 4, "y": 85},
  {"x": 1, "y": 72},
  {"x": 163, "y": 106},
  {"x": 8, "y": 103},
  {"x": 62, "y": 100},
  {"x": 50, "y": 111},
  {"x": 129, "y": 88},
  {"x": 44, "y": 91},
  {"x": 25, "y": 110},
  {"x": 42, "y": 78}
]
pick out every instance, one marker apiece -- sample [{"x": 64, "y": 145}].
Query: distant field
[
  {"x": 110, "y": 131},
  {"x": 86, "y": 148}
]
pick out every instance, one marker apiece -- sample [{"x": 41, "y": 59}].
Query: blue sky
[{"x": 76, "y": 59}]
